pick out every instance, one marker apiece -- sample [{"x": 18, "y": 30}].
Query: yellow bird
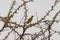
[{"x": 30, "y": 19}]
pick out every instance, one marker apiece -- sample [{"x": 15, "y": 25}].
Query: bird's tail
[{"x": 27, "y": 22}]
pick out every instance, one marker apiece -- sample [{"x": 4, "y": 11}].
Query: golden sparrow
[{"x": 30, "y": 19}]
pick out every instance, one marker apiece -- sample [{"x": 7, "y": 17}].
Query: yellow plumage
[{"x": 30, "y": 19}]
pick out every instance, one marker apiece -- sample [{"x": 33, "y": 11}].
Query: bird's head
[{"x": 32, "y": 16}]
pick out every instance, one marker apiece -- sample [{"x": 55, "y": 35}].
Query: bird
[{"x": 30, "y": 19}]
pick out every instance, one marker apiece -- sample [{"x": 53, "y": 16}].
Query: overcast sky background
[{"x": 38, "y": 6}]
